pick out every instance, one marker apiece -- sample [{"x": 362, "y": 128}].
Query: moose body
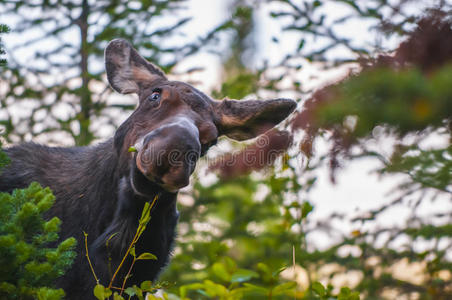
[
  {"x": 101, "y": 190},
  {"x": 93, "y": 195}
]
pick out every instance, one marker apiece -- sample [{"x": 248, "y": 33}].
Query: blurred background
[{"x": 360, "y": 195}]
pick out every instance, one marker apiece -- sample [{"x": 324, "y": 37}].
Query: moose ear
[
  {"x": 245, "y": 119},
  {"x": 126, "y": 69}
]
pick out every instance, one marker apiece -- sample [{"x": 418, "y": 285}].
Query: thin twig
[
  {"x": 123, "y": 259},
  {"x": 87, "y": 256},
  {"x": 109, "y": 252},
  {"x": 127, "y": 276}
]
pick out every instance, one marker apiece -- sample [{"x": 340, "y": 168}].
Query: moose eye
[{"x": 155, "y": 96}]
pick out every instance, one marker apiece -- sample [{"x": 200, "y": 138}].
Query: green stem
[
  {"x": 127, "y": 276},
  {"x": 87, "y": 256},
  {"x": 134, "y": 240}
]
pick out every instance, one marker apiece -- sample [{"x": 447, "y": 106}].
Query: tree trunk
[{"x": 85, "y": 136}]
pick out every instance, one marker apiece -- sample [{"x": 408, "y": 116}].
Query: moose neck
[
  {"x": 133, "y": 191},
  {"x": 136, "y": 189},
  {"x": 130, "y": 178},
  {"x": 141, "y": 186}
]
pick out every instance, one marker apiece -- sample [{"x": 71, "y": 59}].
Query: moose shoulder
[{"x": 101, "y": 189}]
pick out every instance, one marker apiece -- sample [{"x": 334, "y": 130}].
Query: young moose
[{"x": 102, "y": 189}]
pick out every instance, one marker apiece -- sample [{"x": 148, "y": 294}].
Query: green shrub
[{"x": 29, "y": 266}]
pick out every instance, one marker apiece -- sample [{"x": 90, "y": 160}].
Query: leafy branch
[{"x": 102, "y": 292}]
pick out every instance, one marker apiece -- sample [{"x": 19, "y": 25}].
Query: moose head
[{"x": 174, "y": 123}]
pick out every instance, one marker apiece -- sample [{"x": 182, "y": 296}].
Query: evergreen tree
[{"x": 29, "y": 265}]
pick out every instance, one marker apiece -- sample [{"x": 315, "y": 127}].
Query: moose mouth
[{"x": 171, "y": 174}]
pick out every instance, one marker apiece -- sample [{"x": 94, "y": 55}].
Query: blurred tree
[
  {"x": 404, "y": 97},
  {"x": 238, "y": 80},
  {"x": 59, "y": 88},
  {"x": 3, "y": 29}
]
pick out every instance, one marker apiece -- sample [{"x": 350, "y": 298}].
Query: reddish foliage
[
  {"x": 430, "y": 44},
  {"x": 262, "y": 153},
  {"x": 427, "y": 47},
  {"x": 305, "y": 120}
]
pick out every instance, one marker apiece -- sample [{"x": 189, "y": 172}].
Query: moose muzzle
[{"x": 168, "y": 155}]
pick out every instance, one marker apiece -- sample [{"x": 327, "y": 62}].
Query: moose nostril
[{"x": 191, "y": 156}]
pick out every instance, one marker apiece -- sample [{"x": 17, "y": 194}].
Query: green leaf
[
  {"x": 317, "y": 3},
  {"x": 279, "y": 271},
  {"x": 138, "y": 292},
  {"x": 101, "y": 292},
  {"x": 213, "y": 289},
  {"x": 116, "y": 296},
  {"x": 264, "y": 269},
  {"x": 132, "y": 149},
  {"x": 243, "y": 275},
  {"x": 301, "y": 44},
  {"x": 255, "y": 288},
  {"x": 146, "y": 285},
  {"x": 187, "y": 287},
  {"x": 285, "y": 287},
  {"x": 132, "y": 251},
  {"x": 306, "y": 209},
  {"x": 220, "y": 270},
  {"x": 145, "y": 214},
  {"x": 347, "y": 294},
  {"x": 318, "y": 288},
  {"x": 130, "y": 291},
  {"x": 146, "y": 255}
]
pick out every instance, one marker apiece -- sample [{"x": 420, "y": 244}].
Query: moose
[{"x": 102, "y": 189}]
